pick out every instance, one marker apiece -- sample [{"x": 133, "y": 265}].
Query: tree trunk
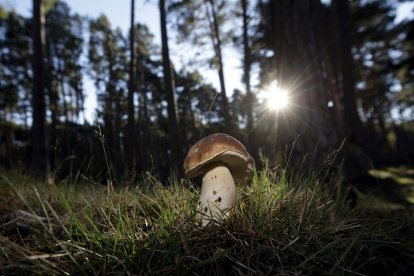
[
  {"x": 63, "y": 90},
  {"x": 217, "y": 48},
  {"x": 352, "y": 123},
  {"x": 80, "y": 101},
  {"x": 145, "y": 148},
  {"x": 39, "y": 160},
  {"x": 53, "y": 102},
  {"x": 246, "y": 76},
  {"x": 130, "y": 150},
  {"x": 112, "y": 130},
  {"x": 174, "y": 131}
]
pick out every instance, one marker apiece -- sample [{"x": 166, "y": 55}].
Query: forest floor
[
  {"x": 388, "y": 192},
  {"x": 281, "y": 225},
  {"x": 396, "y": 186}
]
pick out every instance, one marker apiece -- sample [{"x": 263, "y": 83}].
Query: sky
[{"x": 146, "y": 12}]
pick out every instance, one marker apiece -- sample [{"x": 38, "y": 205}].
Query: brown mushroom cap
[{"x": 219, "y": 147}]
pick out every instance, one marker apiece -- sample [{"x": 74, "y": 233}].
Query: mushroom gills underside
[{"x": 236, "y": 161}]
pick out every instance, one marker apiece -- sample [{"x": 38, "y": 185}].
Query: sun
[{"x": 276, "y": 98}]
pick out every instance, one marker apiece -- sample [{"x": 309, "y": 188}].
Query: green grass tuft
[{"x": 281, "y": 225}]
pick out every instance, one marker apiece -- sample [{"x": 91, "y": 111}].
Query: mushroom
[{"x": 222, "y": 160}]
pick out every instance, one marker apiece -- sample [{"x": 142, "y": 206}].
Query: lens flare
[{"x": 276, "y": 98}]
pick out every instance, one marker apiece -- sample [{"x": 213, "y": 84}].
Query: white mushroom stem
[{"x": 218, "y": 194}]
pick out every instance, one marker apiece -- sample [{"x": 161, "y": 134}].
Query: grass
[{"x": 281, "y": 225}]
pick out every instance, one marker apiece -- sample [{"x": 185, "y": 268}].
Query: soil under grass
[{"x": 279, "y": 226}]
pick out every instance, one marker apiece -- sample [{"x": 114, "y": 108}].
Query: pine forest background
[{"x": 348, "y": 66}]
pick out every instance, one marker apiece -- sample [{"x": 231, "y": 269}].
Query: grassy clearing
[{"x": 279, "y": 226}]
